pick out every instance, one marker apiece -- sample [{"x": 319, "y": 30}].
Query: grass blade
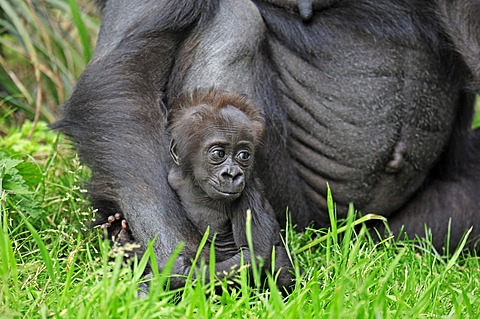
[
  {"x": 342, "y": 229},
  {"x": 43, "y": 250},
  {"x": 82, "y": 30}
]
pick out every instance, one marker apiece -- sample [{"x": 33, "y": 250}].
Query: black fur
[{"x": 375, "y": 97}]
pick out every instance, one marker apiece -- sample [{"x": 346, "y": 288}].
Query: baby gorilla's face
[
  {"x": 214, "y": 138},
  {"x": 225, "y": 158}
]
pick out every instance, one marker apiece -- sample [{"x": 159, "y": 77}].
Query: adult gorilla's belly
[{"x": 369, "y": 120}]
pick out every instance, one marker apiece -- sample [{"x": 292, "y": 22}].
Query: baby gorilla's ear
[{"x": 173, "y": 152}]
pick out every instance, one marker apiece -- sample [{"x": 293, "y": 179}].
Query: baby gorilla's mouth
[{"x": 227, "y": 194}]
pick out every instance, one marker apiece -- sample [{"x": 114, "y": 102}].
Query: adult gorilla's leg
[
  {"x": 116, "y": 118},
  {"x": 452, "y": 195}
]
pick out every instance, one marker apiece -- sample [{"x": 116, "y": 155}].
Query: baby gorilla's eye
[
  {"x": 243, "y": 155},
  {"x": 219, "y": 153}
]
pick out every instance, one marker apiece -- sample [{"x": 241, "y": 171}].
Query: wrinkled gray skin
[{"x": 374, "y": 97}]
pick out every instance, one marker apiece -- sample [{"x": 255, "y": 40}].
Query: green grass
[
  {"x": 51, "y": 267},
  {"x": 44, "y": 46}
]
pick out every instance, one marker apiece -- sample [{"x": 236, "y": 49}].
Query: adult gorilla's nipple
[{"x": 397, "y": 161}]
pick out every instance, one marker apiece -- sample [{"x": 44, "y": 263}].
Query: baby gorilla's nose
[{"x": 232, "y": 175}]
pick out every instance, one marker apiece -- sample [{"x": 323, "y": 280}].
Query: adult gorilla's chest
[
  {"x": 362, "y": 100},
  {"x": 367, "y": 116}
]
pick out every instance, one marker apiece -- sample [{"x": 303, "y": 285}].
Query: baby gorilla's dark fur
[{"x": 215, "y": 136}]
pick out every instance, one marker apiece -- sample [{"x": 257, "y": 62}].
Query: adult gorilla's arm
[
  {"x": 116, "y": 117},
  {"x": 462, "y": 23},
  {"x": 453, "y": 191}
]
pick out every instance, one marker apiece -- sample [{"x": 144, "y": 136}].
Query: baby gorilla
[{"x": 215, "y": 135}]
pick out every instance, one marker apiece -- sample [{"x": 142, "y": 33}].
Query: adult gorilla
[{"x": 373, "y": 96}]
